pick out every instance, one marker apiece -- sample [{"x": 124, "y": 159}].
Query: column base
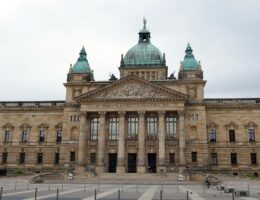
[
  {"x": 80, "y": 169},
  {"x": 141, "y": 169},
  {"x": 120, "y": 169},
  {"x": 161, "y": 169},
  {"x": 100, "y": 169},
  {"x": 181, "y": 169}
]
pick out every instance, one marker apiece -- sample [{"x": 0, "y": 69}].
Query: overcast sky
[{"x": 39, "y": 39}]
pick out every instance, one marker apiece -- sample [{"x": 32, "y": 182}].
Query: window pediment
[
  {"x": 8, "y": 126},
  {"x": 25, "y": 126},
  {"x": 212, "y": 125},
  {"x": 250, "y": 125},
  {"x": 231, "y": 125},
  {"x": 59, "y": 125},
  {"x": 43, "y": 125}
]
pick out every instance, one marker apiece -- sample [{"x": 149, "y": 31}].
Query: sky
[{"x": 39, "y": 39}]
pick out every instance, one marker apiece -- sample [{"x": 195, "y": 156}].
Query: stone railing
[{"x": 31, "y": 103}]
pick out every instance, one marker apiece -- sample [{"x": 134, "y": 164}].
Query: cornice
[{"x": 32, "y": 109}]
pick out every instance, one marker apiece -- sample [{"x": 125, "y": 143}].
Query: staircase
[{"x": 152, "y": 178}]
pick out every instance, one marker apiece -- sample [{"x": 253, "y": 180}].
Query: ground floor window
[
  {"x": 194, "y": 156},
  {"x": 22, "y": 158},
  {"x": 172, "y": 158},
  {"x": 39, "y": 158},
  {"x": 4, "y": 157},
  {"x": 93, "y": 158},
  {"x": 72, "y": 156},
  {"x": 214, "y": 158},
  {"x": 253, "y": 159},
  {"x": 233, "y": 157}
]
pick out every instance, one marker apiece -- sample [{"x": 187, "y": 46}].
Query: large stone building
[{"x": 145, "y": 121}]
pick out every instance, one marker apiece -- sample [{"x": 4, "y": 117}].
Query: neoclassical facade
[{"x": 142, "y": 122}]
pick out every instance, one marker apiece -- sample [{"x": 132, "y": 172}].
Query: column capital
[
  {"x": 102, "y": 113},
  {"x": 161, "y": 112},
  {"x": 82, "y": 113},
  {"x": 181, "y": 113},
  {"x": 141, "y": 113},
  {"x": 121, "y": 113}
]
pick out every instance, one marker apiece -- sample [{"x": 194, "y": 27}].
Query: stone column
[
  {"x": 181, "y": 142},
  {"x": 141, "y": 143},
  {"x": 161, "y": 134},
  {"x": 121, "y": 144},
  {"x": 82, "y": 145},
  {"x": 101, "y": 144}
]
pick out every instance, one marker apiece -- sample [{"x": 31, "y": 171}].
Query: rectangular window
[
  {"x": 233, "y": 157},
  {"x": 93, "y": 158},
  {"x": 194, "y": 156},
  {"x": 25, "y": 136},
  {"x": 253, "y": 159},
  {"x": 171, "y": 127},
  {"x": 42, "y": 135},
  {"x": 59, "y": 136},
  {"x": 172, "y": 158},
  {"x": 152, "y": 127},
  {"x": 232, "y": 135},
  {"x": 132, "y": 127},
  {"x": 57, "y": 158},
  {"x": 22, "y": 158},
  {"x": 212, "y": 135},
  {"x": 113, "y": 128},
  {"x": 251, "y": 135},
  {"x": 214, "y": 158},
  {"x": 94, "y": 127},
  {"x": 39, "y": 158},
  {"x": 7, "y": 136},
  {"x": 72, "y": 156},
  {"x": 4, "y": 157}
]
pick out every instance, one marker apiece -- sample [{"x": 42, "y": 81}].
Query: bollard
[
  {"x": 187, "y": 195},
  {"x": 161, "y": 192},
  {"x": 98, "y": 187},
  {"x": 28, "y": 185},
  {"x": 62, "y": 187},
  {"x": 137, "y": 188},
  {"x": 177, "y": 189},
  {"x": 49, "y": 187},
  {"x": 84, "y": 187},
  {"x": 118, "y": 195},
  {"x": 15, "y": 185},
  {"x": 95, "y": 194},
  {"x": 57, "y": 195},
  {"x": 204, "y": 190},
  {"x": 122, "y": 188},
  {"x": 248, "y": 188},
  {"x": 233, "y": 195},
  {"x": 1, "y": 192},
  {"x": 162, "y": 187},
  {"x": 35, "y": 194}
]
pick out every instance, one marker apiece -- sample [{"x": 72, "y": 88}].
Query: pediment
[{"x": 133, "y": 88}]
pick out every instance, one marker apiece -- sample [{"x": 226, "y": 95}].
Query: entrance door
[
  {"x": 151, "y": 162},
  {"x": 112, "y": 162},
  {"x": 132, "y": 163}
]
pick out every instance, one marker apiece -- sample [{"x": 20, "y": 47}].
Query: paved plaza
[{"x": 14, "y": 189}]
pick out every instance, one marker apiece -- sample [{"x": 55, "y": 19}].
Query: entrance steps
[{"x": 152, "y": 178}]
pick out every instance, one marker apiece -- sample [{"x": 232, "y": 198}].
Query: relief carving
[{"x": 132, "y": 90}]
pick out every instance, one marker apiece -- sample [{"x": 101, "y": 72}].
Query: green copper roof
[
  {"x": 144, "y": 53},
  {"x": 189, "y": 62},
  {"x": 81, "y": 66}
]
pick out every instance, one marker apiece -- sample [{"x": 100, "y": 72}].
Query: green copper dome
[
  {"x": 81, "y": 66},
  {"x": 144, "y": 53},
  {"x": 189, "y": 62}
]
